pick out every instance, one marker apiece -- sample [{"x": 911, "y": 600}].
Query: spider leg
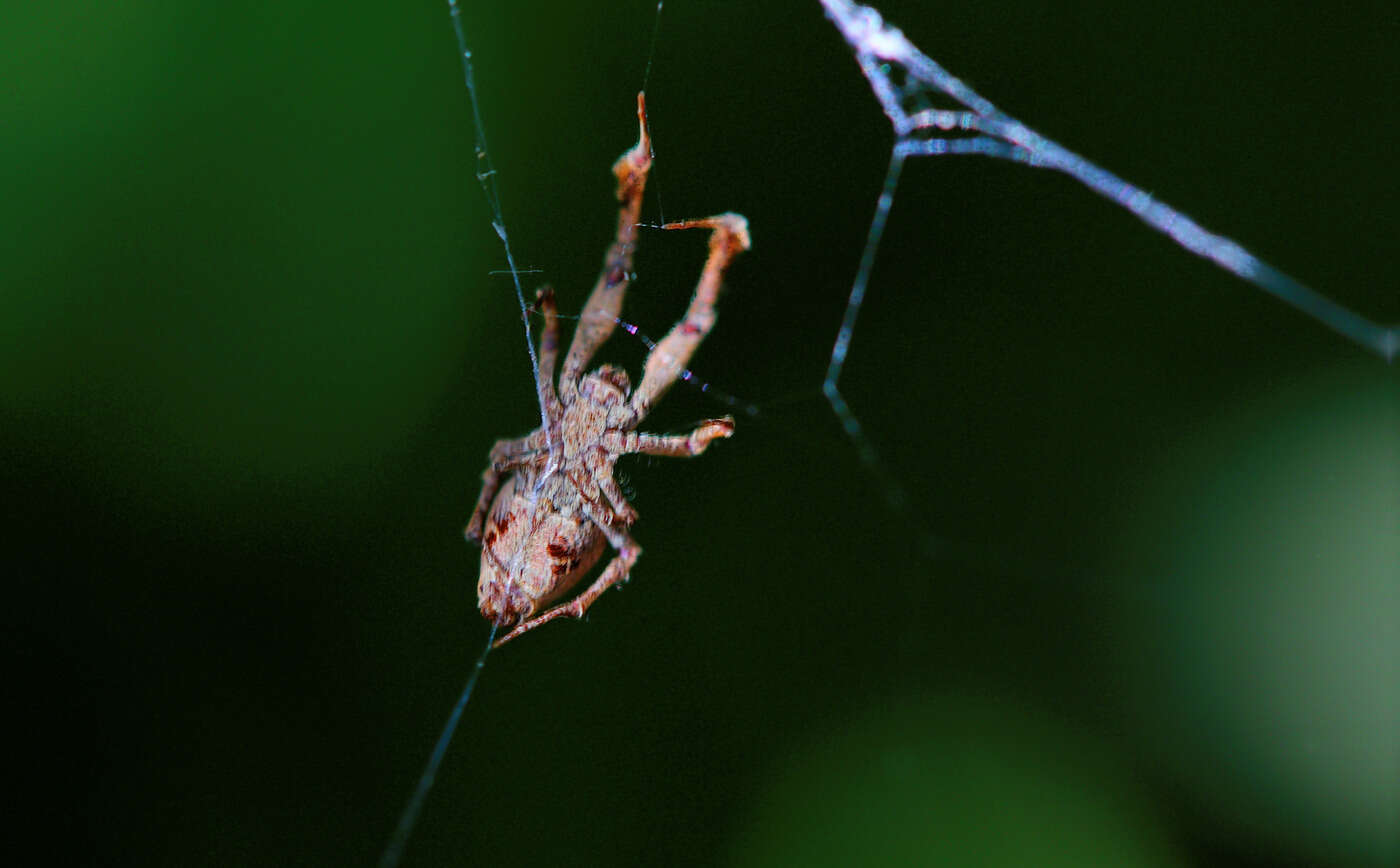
[
  {"x": 729, "y": 237},
  {"x": 549, "y": 352},
  {"x": 490, "y": 484},
  {"x": 600, "y": 312},
  {"x": 599, "y": 466},
  {"x": 677, "y": 446},
  {"x": 615, "y": 442},
  {"x": 615, "y": 573},
  {"x": 589, "y": 485},
  {"x": 506, "y": 456}
]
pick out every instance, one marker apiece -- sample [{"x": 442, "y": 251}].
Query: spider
[{"x": 547, "y": 523}]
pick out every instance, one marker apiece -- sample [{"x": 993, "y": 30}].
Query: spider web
[
  {"x": 1186, "y": 574},
  {"x": 906, "y": 81},
  {"x": 907, "y": 84},
  {"x": 490, "y": 188},
  {"x": 758, "y": 327}
]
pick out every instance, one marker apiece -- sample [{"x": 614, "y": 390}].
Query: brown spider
[{"x": 550, "y": 519}]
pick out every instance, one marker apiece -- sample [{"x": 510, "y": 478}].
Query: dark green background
[{"x": 1141, "y": 609}]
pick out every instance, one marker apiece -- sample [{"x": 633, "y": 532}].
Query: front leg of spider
[{"x": 549, "y": 505}]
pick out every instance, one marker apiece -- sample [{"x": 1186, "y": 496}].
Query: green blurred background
[{"x": 1142, "y": 609}]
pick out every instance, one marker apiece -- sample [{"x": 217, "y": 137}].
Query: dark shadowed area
[{"x": 1142, "y": 607}]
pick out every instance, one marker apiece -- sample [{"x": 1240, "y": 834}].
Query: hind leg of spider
[
  {"x": 615, "y": 573},
  {"x": 549, "y": 352},
  {"x": 729, "y": 237},
  {"x": 672, "y": 446},
  {"x": 506, "y": 456}
]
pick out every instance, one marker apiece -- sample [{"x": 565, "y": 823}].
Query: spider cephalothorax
[{"x": 549, "y": 505}]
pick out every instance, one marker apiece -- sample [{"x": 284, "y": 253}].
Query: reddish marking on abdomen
[{"x": 557, "y": 549}]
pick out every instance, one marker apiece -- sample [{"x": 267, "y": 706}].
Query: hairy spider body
[{"x": 549, "y": 505}]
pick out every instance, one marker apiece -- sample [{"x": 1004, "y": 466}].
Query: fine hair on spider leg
[{"x": 549, "y": 505}]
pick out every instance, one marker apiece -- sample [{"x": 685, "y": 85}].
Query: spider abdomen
[{"x": 532, "y": 554}]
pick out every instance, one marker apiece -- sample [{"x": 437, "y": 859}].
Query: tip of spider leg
[
  {"x": 632, "y": 167},
  {"x": 643, "y": 148},
  {"x": 725, "y": 226},
  {"x": 709, "y": 431}
]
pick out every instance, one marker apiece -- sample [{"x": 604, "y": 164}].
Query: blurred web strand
[
  {"x": 902, "y": 76},
  {"x": 393, "y": 852},
  {"x": 486, "y": 175}
]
